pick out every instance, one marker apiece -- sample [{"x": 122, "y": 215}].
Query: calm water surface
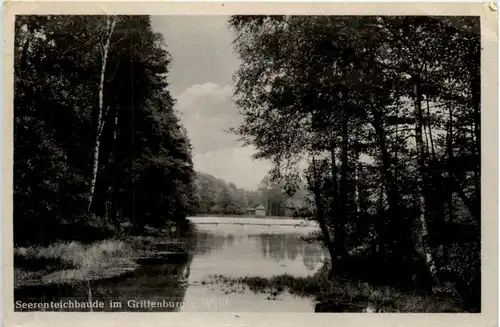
[
  {"x": 249, "y": 250},
  {"x": 232, "y": 247}
]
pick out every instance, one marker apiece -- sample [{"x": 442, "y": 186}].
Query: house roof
[
  {"x": 260, "y": 207},
  {"x": 250, "y": 209}
]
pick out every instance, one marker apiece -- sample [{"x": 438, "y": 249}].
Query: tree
[
  {"x": 219, "y": 197},
  {"x": 363, "y": 97},
  {"x": 104, "y": 47},
  {"x": 95, "y": 128}
]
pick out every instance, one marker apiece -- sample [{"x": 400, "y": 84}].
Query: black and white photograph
[{"x": 247, "y": 163}]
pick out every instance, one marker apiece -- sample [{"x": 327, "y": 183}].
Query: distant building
[{"x": 260, "y": 211}]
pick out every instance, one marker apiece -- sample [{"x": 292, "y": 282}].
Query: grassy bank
[
  {"x": 72, "y": 262},
  {"x": 346, "y": 295},
  {"x": 68, "y": 262}
]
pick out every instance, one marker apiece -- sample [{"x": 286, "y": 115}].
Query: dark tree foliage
[
  {"x": 385, "y": 111},
  {"x": 144, "y": 173}
]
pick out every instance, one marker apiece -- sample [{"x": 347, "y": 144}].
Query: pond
[{"x": 231, "y": 247}]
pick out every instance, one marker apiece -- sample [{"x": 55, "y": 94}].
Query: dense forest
[
  {"x": 216, "y": 196},
  {"x": 386, "y": 111},
  {"x": 96, "y": 139}
]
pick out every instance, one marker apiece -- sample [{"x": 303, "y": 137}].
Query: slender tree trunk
[
  {"x": 436, "y": 186},
  {"x": 449, "y": 186},
  {"x": 449, "y": 150},
  {"x": 111, "y": 22},
  {"x": 356, "y": 190},
  {"x": 334, "y": 177},
  {"x": 422, "y": 179},
  {"x": 396, "y": 147},
  {"x": 89, "y": 291},
  {"x": 476, "y": 107},
  {"x": 356, "y": 179},
  {"x": 268, "y": 205},
  {"x": 320, "y": 218},
  {"x": 429, "y": 125},
  {"x": 113, "y": 163},
  {"x": 377, "y": 243},
  {"x": 340, "y": 217},
  {"x": 426, "y": 137},
  {"x": 24, "y": 54},
  {"x": 393, "y": 220},
  {"x": 334, "y": 192}
]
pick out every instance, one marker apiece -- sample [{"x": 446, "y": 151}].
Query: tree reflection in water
[
  {"x": 206, "y": 242},
  {"x": 289, "y": 247},
  {"x": 152, "y": 282},
  {"x": 168, "y": 279}
]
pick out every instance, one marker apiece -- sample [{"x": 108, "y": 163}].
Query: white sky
[{"x": 201, "y": 81}]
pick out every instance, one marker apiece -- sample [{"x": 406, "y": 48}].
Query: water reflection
[
  {"x": 241, "y": 251},
  {"x": 247, "y": 251},
  {"x": 160, "y": 283},
  {"x": 154, "y": 283},
  {"x": 229, "y": 250},
  {"x": 206, "y": 242},
  {"x": 282, "y": 247},
  {"x": 312, "y": 257}
]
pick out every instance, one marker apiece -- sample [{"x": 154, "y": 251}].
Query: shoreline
[
  {"x": 346, "y": 295},
  {"x": 72, "y": 262}
]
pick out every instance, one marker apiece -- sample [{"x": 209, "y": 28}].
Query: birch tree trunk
[
  {"x": 110, "y": 26},
  {"x": 431, "y": 138},
  {"x": 113, "y": 187}
]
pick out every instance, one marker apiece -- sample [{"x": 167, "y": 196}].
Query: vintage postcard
[{"x": 242, "y": 164}]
